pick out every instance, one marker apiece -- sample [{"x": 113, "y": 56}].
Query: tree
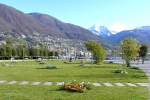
[
  {"x": 37, "y": 52},
  {"x": 143, "y": 52},
  {"x": 22, "y": 51},
  {"x": 8, "y": 48},
  {"x": 31, "y": 52},
  {"x": 14, "y": 52},
  {"x": 45, "y": 51},
  {"x": 50, "y": 53},
  {"x": 55, "y": 53},
  {"x": 97, "y": 50},
  {"x": 3, "y": 51},
  {"x": 130, "y": 49}
]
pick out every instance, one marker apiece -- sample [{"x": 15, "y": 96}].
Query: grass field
[
  {"x": 12, "y": 92},
  {"x": 33, "y": 71},
  {"x": 68, "y": 72}
]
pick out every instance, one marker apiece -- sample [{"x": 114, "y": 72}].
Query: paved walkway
[
  {"x": 13, "y": 82},
  {"x": 145, "y": 67}
]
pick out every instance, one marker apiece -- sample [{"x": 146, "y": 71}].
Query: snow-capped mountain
[
  {"x": 142, "y": 34},
  {"x": 100, "y": 31},
  {"x": 144, "y": 28}
]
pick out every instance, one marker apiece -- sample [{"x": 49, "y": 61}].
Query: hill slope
[{"x": 23, "y": 25}]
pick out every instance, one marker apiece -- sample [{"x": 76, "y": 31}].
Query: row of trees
[
  {"x": 21, "y": 51},
  {"x": 131, "y": 50}
]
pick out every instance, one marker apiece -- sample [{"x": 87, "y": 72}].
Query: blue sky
[{"x": 111, "y": 13}]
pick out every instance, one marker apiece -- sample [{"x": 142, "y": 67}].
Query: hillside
[{"x": 20, "y": 25}]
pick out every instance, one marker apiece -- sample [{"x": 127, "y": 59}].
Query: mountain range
[
  {"x": 27, "y": 26},
  {"x": 142, "y": 34},
  {"x": 23, "y": 25}
]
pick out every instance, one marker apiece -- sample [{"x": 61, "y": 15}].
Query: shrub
[
  {"x": 41, "y": 62},
  {"x": 51, "y": 67},
  {"x": 135, "y": 68},
  {"x": 110, "y": 62},
  {"x": 88, "y": 86},
  {"x": 65, "y": 62},
  {"x": 121, "y": 71}
]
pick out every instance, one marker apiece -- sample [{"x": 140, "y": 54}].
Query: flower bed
[{"x": 77, "y": 87}]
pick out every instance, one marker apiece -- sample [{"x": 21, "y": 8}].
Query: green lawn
[
  {"x": 67, "y": 72},
  {"x": 12, "y": 92},
  {"x": 33, "y": 71}
]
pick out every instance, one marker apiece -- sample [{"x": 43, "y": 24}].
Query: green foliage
[
  {"x": 34, "y": 52},
  {"x": 18, "y": 48},
  {"x": 43, "y": 51},
  {"x": 88, "y": 86},
  {"x": 8, "y": 50},
  {"x": 22, "y": 51},
  {"x": 121, "y": 71},
  {"x": 110, "y": 62},
  {"x": 42, "y": 62},
  {"x": 97, "y": 50},
  {"x": 137, "y": 68},
  {"x": 3, "y": 50},
  {"x": 130, "y": 49},
  {"x": 14, "y": 52},
  {"x": 52, "y": 53},
  {"x": 143, "y": 52}
]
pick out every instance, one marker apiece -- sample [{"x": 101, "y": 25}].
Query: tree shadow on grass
[
  {"x": 61, "y": 90},
  {"x": 94, "y": 66},
  {"x": 48, "y": 68}
]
